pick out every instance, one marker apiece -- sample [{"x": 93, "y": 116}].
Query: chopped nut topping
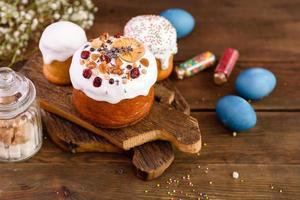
[
  {"x": 95, "y": 56},
  {"x": 144, "y": 62},
  {"x": 91, "y": 65}
]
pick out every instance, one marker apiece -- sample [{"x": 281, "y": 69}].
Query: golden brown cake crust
[
  {"x": 163, "y": 74},
  {"x": 58, "y": 72},
  {"x": 107, "y": 115}
]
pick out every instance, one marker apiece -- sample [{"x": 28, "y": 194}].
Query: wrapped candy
[
  {"x": 195, "y": 65},
  {"x": 225, "y": 66}
]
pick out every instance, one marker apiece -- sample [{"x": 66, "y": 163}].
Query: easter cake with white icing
[
  {"x": 113, "y": 78},
  {"x": 158, "y": 34},
  {"x": 58, "y": 43}
]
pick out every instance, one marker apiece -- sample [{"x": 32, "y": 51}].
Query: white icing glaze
[
  {"x": 165, "y": 61},
  {"x": 157, "y": 33},
  {"x": 113, "y": 93},
  {"x": 60, "y": 40}
]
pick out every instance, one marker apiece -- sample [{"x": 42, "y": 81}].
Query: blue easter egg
[
  {"x": 255, "y": 83},
  {"x": 182, "y": 20},
  {"x": 236, "y": 113}
]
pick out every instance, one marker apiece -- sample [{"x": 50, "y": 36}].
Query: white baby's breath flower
[
  {"x": 16, "y": 34},
  {"x": 54, "y": 6},
  {"x": 18, "y": 52},
  {"x": 22, "y": 21},
  {"x": 25, "y": 37},
  {"x": 7, "y": 36},
  {"x": 8, "y": 47},
  {"x": 22, "y": 27},
  {"x": 56, "y": 16},
  {"x": 11, "y": 23},
  {"x": 22, "y": 13},
  {"x": 28, "y": 16},
  {"x": 24, "y": 1},
  {"x": 76, "y": 3},
  {"x": 34, "y": 24},
  {"x": 88, "y": 3},
  {"x": 84, "y": 14},
  {"x": 70, "y": 10},
  {"x": 91, "y": 16},
  {"x": 90, "y": 22},
  {"x": 3, "y": 20},
  {"x": 41, "y": 20},
  {"x": 13, "y": 40},
  {"x": 75, "y": 17},
  {"x": 3, "y": 30},
  {"x": 32, "y": 13},
  {"x": 15, "y": 14}
]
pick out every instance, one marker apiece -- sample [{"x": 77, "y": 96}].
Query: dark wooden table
[{"x": 267, "y": 157}]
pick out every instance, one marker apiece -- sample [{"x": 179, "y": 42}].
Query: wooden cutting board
[
  {"x": 73, "y": 138},
  {"x": 163, "y": 122},
  {"x": 150, "y": 159}
]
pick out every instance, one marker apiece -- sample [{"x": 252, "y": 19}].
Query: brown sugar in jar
[{"x": 20, "y": 119}]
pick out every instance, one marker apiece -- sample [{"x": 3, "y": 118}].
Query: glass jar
[{"x": 20, "y": 119}]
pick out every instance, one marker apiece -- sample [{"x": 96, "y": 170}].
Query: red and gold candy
[{"x": 225, "y": 66}]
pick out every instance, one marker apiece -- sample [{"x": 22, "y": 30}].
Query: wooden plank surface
[
  {"x": 260, "y": 161},
  {"x": 261, "y": 145},
  {"x": 261, "y": 30},
  {"x": 266, "y": 157},
  {"x": 47, "y": 184},
  {"x": 272, "y": 141},
  {"x": 202, "y": 94}
]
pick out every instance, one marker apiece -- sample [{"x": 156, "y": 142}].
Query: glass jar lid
[{"x": 16, "y": 93}]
